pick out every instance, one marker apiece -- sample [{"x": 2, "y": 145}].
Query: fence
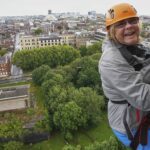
[{"x": 33, "y": 138}]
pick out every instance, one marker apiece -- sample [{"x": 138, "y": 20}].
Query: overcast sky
[{"x": 41, "y": 7}]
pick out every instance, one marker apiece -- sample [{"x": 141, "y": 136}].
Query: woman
[{"x": 125, "y": 78}]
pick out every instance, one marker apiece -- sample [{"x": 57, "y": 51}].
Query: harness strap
[
  {"x": 144, "y": 133},
  {"x": 137, "y": 115},
  {"x": 129, "y": 133},
  {"x": 119, "y": 102},
  {"x": 141, "y": 136},
  {"x": 131, "y": 59}
]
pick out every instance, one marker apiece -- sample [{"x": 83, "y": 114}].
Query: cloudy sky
[{"x": 40, "y": 7}]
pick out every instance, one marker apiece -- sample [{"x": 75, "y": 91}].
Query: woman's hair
[{"x": 111, "y": 33}]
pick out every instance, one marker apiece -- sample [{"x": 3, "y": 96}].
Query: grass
[
  {"x": 39, "y": 97},
  {"x": 55, "y": 143},
  {"x": 98, "y": 133},
  {"x": 14, "y": 84},
  {"x": 101, "y": 132},
  {"x": 84, "y": 138}
]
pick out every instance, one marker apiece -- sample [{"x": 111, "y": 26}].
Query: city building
[
  {"x": 5, "y": 66},
  {"x": 92, "y": 13},
  {"x": 100, "y": 35},
  {"x": 52, "y": 40},
  {"x": 90, "y": 42},
  {"x": 69, "y": 39},
  {"x": 30, "y": 42},
  {"x": 82, "y": 38}
]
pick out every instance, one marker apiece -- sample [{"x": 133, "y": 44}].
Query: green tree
[
  {"x": 25, "y": 59},
  {"x": 39, "y": 73},
  {"x": 112, "y": 144},
  {"x": 69, "y": 117},
  {"x": 83, "y": 50},
  {"x": 12, "y": 128},
  {"x": 13, "y": 146},
  {"x": 38, "y": 31},
  {"x": 88, "y": 77},
  {"x": 56, "y": 95},
  {"x": 96, "y": 56},
  {"x": 51, "y": 56},
  {"x": 90, "y": 102},
  {"x": 95, "y": 48},
  {"x": 84, "y": 99},
  {"x": 105, "y": 145},
  {"x": 84, "y": 73},
  {"x": 51, "y": 79},
  {"x": 92, "y": 49},
  {"x": 68, "y": 54}
]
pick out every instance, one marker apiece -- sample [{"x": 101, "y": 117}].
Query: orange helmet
[{"x": 120, "y": 12}]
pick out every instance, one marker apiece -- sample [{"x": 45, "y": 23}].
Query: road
[
  {"x": 16, "y": 71},
  {"x": 15, "y": 79}
]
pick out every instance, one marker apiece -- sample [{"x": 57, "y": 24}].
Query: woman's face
[{"x": 127, "y": 31}]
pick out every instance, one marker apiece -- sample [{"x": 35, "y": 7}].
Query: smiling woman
[
  {"x": 123, "y": 75},
  {"x": 127, "y": 31},
  {"x": 124, "y": 26}
]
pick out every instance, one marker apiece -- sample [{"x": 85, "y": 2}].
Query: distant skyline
[{"x": 41, "y": 7}]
